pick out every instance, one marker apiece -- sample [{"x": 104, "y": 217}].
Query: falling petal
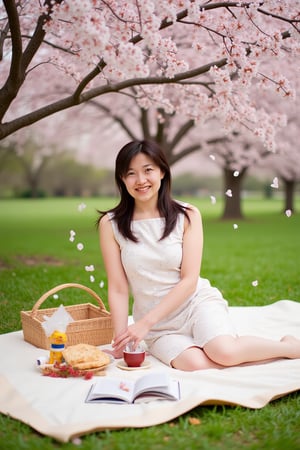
[
  {"x": 275, "y": 184},
  {"x": 92, "y": 278},
  {"x": 101, "y": 284},
  {"x": 254, "y": 283},
  {"x": 80, "y": 246},
  {"x": 228, "y": 193},
  {"x": 213, "y": 199},
  {"x": 236, "y": 173},
  {"x": 288, "y": 213},
  {"x": 212, "y": 157},
  {"x": 90, "y": 268},
  {"x": 72, "y": 235},
  {"x": 235, "y": 226},
  {"x": 55, "y": 296},
  {"x": 81, "y": 207}
]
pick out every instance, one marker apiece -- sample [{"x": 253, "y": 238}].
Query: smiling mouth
[{"x": 143, "y": 189}]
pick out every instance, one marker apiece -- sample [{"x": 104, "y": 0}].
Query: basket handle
[{"x": 63, "y": 286}]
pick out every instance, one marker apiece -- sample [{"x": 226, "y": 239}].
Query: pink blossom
[{"x": 115, "y": 46}]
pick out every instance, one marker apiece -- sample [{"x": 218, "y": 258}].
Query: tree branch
[
  {"x": 20, "y": 61},
  {"x": 186, "y": 151},
  {"x": 144, "y": 120},
  {"x": 57, "y": 47},
  {"x": 283, "y": 19},
  {"x": 193, "y": 148},
  {"x": 87, "y": 79},
  {"x": 14, "y": 80},
  {"x": 116, "y": 118},
  {"x": 161, "y": 126},
  {"x": 68, "y": 102},
  {"x": 3, "y": 35},
  {"x": 183, "y": 130}
]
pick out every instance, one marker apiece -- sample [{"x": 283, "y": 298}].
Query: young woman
[{"x": 152, "y": 248}]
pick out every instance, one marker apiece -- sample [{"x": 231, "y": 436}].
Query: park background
[{"x": 254, "y": 261}]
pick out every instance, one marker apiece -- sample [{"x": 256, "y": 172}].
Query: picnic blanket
[{"x": 56, "y": 407}]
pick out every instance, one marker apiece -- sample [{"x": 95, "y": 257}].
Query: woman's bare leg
[
  {"x": 194, "y": 358},
  {"x": 232, "y": 351}
]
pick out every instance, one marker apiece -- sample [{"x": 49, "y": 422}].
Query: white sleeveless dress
[{"x": 153, "y": 268}]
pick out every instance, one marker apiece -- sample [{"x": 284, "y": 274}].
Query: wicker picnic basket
[{"x": 92, "y": 324}]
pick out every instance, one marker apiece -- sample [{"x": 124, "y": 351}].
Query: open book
[{"x": 153, "y": 386}]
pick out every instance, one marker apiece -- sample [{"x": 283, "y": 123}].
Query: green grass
[{"x": 36, "y": 255}]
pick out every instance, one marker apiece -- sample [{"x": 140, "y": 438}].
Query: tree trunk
[
  {"x": 34, "y": 188},
  {"x": 232, "y": 185},
  {"x": 289, "y": 191}
]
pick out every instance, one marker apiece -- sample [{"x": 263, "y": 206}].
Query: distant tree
[
  {"x": 66, "y": 176},
  {"x": 33, "y": 162},
  {"x": 286, "y": 162}
]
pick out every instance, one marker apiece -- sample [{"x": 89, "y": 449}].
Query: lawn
[{"x": 36, "y": 255}]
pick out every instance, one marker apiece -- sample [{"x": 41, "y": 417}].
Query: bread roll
[{"x": 85, "y": 356}]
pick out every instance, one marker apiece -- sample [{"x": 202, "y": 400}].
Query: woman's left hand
[{"x": 134, "y": 334}]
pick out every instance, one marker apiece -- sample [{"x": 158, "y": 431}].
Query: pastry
[{"x": 85, "y": 356}]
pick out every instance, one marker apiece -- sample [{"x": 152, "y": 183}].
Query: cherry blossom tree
[
  {"x": 196, "y": 58},
  {"x": 243, "y": 150},
  {"x": 286, "y": 162}
]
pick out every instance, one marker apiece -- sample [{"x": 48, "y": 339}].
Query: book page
[
  {"x": 172, "y": 392},
  {"x": 154, "y": 382},
  {"x": 112, "y": 388}
]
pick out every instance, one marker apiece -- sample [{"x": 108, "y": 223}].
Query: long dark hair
[{"x": 123, "y": 212}]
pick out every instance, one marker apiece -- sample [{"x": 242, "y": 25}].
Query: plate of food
[{"x": 81, "y": 360}]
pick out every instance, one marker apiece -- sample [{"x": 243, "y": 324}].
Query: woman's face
[{"x": 143, "y": 178}]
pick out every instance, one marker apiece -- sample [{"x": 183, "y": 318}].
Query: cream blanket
[{"x": 56, "y": 407}]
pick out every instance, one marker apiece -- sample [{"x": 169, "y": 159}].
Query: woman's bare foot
[{"x": 292, "y": 346}]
